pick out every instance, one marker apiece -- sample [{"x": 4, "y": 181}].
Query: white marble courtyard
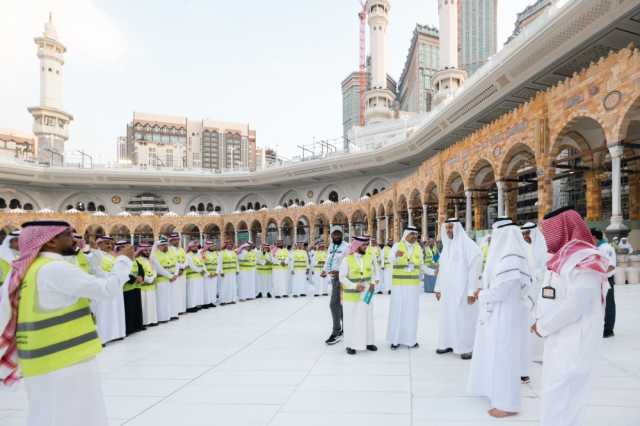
[{"x": 265, "y": 363}]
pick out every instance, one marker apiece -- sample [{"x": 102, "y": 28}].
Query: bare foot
[{"x": 494, "y": 412}]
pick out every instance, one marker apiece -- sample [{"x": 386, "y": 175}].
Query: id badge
[{"x": 548, "y": 292}]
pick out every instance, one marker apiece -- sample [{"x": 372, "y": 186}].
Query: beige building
[
  {"x": 15, "y": 144},
  {"x": 177, "y": 142}
]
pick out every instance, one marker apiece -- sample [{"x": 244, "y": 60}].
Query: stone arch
[
  {"x": 454, "y": 196},
  {"x": 167, "y": 229},
  {"x": 10, "y": 194},
  {"x": 628, "y": 133},
  {"x": 92, "y": 232},
  {"x": 82, "y": 197},
  {"x": 211, "y": 232},
  {"x": 359, "y": 222},
  {"x": 229, "y": 232},
  {"x": 430, "y": 199},
  {"x": 204, "y": 204},
  {"x": 120, "y": 231},
  {"x": 303, "y": 227},
  {"x": 286, "y": 230},
  {"x": 291, "y": 197},
  {"x": 255, "y": 232},
  {"x": 190, "y": 231},
  {"x": 143, "y": 233},
  {"x": 375, "y": 186},
  {"x": 250, "y": 200},
  {"x": 272, "y": 231},
  {"x": 323, "y": 195}
]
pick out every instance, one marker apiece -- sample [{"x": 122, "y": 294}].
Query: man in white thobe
[
  {"x": 165, "y": 268},
  {"x": 387, "y": 269},
  {"x": 179, "y": 287},
  {"x": 407, "y": 260},
  {"x": 500, "y": 340},
  {"x": 195, "y": 277},
  {"x": 210, "y": 291},
  {"x": 110, "y": 318},
  {"x": 280, "y": 261},
  {"x": 264, "y": 272},
  {"x": 318, "y": 260},
  {"x": 358, "y": 276},
  {"x": 537, "y": 258},
  {"x": 148, "y": 289},
  {"x": 571, "y": 320},
  {"x": 247, "y": 277},
  {"x": 458, "y": 276},
  {"x": 228, "y": 271},
  {"x": 299, "y": 261},
  {"x": 62, "y": 393}
]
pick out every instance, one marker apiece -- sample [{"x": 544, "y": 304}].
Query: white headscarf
[
  {"x": 6, "y": 252},
  {"x": 625, "y": 245},
  {"x": 537, "y": 248},
  {"x": 507, "y": 259},
  {"x": 458, "y": 255}
]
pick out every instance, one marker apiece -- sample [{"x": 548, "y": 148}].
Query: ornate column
[
  {"x": 593, "y": 195},
  {"x": 378, "y": 233},
  {"x": 425, "y": 229},
  {"x": 350, "y": 230},
  {"x": 479, "y": 210},
  {"x": 545, "y": 191},
  {"x": 468, "y": 212},
  {"x": 295, "y": 234},
  {"x": 279, "y": 231},
  {"x": 501, "y": 187},
  {"x": 409, "y": 216},
  {"x": 455, "y": 210},
  {"x": 386, "y": 229},
  {"x": 634, "y": 196},
  {"x": 235, "y": 231},
  {"x": 617, "y": 219}
]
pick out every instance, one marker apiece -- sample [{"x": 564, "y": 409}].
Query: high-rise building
[
  {"x": 415, "y": 90},
  {"x": 177, "y": 142},
  {"x": 122, "y": 156},
  {"x": 265, "y": 158},
  {"x": 50, "y": 121},
  {"x": 477, "y": 32},
  {"x": 528, "y": 15}
]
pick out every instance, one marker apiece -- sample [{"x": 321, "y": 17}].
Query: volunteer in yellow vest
[
  {"x": 319, "y": 259},
  {"x": 109, "y": 314},
  {"x": 179, "y": 288},
  {"x": 56, "y": 338},
  {"x": 407, "y": 261},
  {"x": 228, "y": 270},
  {"x": 264, "y": 270},
  {"x": 8, "y": 252},
  {"x": 132, "y": 298},
  {"x": 387, "y": 269},
  {"x": 195, "y": 277},
  {"x": 299, "y": 260},
  {"x": 373, "y": 249},
  {"x": 210, "y": 287},
  {"x": 164, "y": 265},
  {"x": 148, "y": 286},
  {"x": 247, "y": 278},
  {"x": 280, "y": 259},
  {"x": 358, "y": 276}
]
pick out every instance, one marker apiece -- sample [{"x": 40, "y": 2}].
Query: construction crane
[{"x": 363, "y": 57}]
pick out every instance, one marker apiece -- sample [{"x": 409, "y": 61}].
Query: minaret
[
  {"x": 50, "y": 121},
  {"x": 449, "y": 78},
  {"x": 379, "y": 100}
]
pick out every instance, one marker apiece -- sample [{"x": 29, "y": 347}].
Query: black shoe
[
  {"x": 351, "y": 351},
  {"x": 333, "y": 339},
  {"x": 303, "y": 295},
  {"x": 277, "y": 297},
  {"x": 173, "y": 319},
  {"x": 389, "y": 292},
  {"x": 213, "y": 305},
  {"x": 607, "y": 334},
  {"x": 525, "y": 379},
  {"x": 444, "y": 351},
  {"x": 372, "y": 348},
  {"x": 467, "y": 356},
  {"x": 394, "y": 347},
  {"x": 416, "y": 346},
  {"x": 325, "y": 294},
  {"x": 379, "y": 292},
  {"x": 232, "y": 303},
  {"x": 285, "y": 296},
  {"x": 295, "y": 295},
  {"x": 259, "y": 296},
  {"x": 269, "y": 295},
  {"x": 341, "y": 333},
  {"x": 316, "y": 295}
]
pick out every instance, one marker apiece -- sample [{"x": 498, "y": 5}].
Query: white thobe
[
  {"x": 264, "y": 282},
  {"x": 228, "y": 282},
  {"x": 404, "y": 307},
  {"x": 246, "y": 281},
  {"x": 110, "y": 317},
  {"x": 320, "y": 285},
  {"x": 149, "y": 301},
  {"x": 210, "y": 286},
  {"x": 194, "y": 283},
  {"x": 456, "y": 281},
  {"x": 387, "y": 275},
  {"x": 280, "y": 278},
  {"x": 298, "y": 278},
  {"x": 179, "y": 289},
  {"x": 497, "y": 362},
  {"x": 571, "y": 325},
  {"x": 163, "y": 291},
  {"x": 72, "y": 396},
  {"x": 357, "y": 320}
]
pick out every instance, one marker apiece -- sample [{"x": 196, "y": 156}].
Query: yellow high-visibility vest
[
  {"x": 387, "y": 253},
  {"x": 320, "y": 260},
  {"x": 249, "y": 261},
  {"x": 198, "y": 261},
  {"x": 229, "y": 261},
  {"x": 402, "y": 276},
  {"x": 282, "y": 255},
  {"x": 167, "y": 261},
  {"x": 83, "y": 262},
  {"x": 357, "y": 274},
  {"x": 48, "y": 341},
  {"x": 300, "y": 261},
  {"x": 5, "y": 267},
  {"x": 267, "y": 267},
  {"x": 210, "y": 261},
  {"x": 148, "y": 272}
]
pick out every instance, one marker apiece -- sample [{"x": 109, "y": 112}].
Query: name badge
[{"x": 548, "y": 292}]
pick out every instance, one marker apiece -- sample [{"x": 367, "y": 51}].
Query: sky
[{"x": 275, "y": 64}]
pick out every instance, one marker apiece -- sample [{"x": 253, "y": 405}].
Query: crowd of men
[{"x": 524, "y": 294}]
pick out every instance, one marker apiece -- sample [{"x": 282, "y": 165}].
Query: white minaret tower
[
  {"x": 449, "y": 78},
  {"x": 379, "y": 100},
  {"x": 50, "y": 121}
]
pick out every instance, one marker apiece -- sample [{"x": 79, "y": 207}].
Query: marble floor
[{"x": 265, "y": 363}]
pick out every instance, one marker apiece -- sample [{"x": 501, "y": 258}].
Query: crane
[{"x": 363, "y": 52}]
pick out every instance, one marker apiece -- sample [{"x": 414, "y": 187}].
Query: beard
[{"x": 71, "y": 251}]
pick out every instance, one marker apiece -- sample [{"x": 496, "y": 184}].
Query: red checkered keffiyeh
[
  {"x": 32, "y": 239},
  {"x": 566, "y": 233}
]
